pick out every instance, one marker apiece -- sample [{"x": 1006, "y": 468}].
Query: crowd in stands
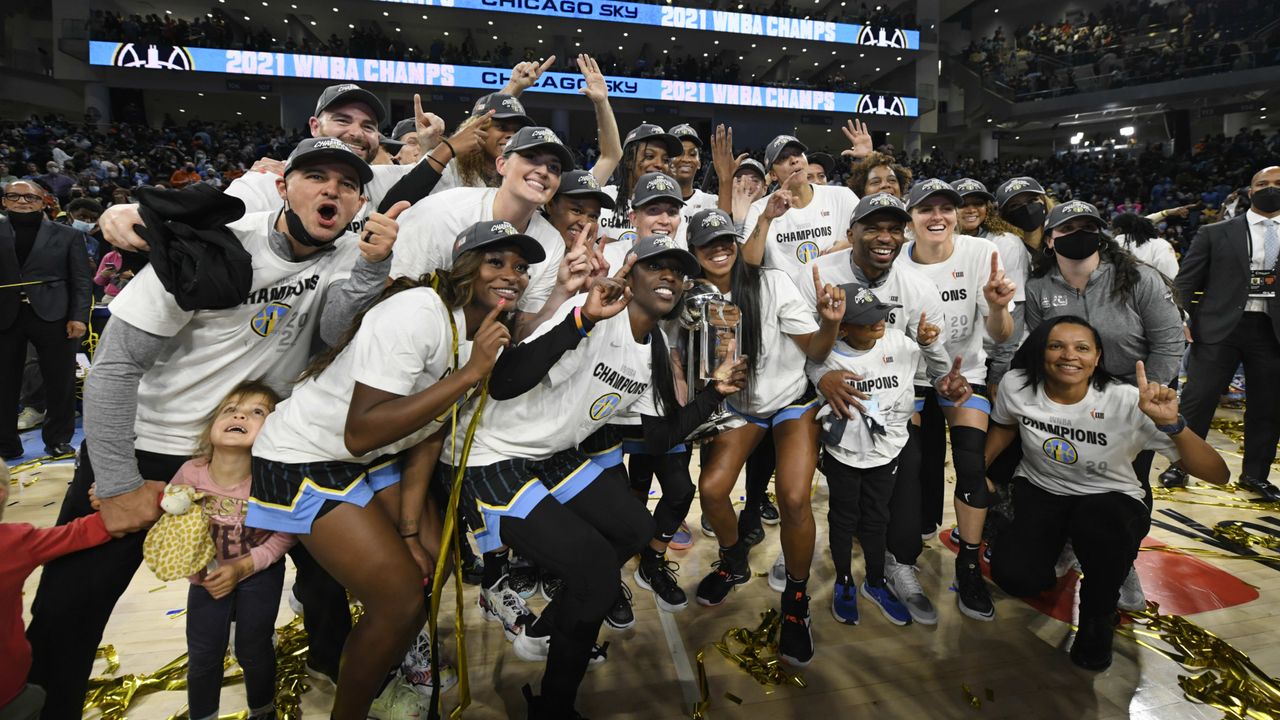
[
  {"x": 105, "y": 163},
  {"x": 1129, "y": 43}
]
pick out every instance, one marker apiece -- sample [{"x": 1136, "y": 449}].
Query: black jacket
[
  {"x": 197, "y": 259},
  {"x": 1217, "y": 267},
  {"x": 60, "y": 261}
]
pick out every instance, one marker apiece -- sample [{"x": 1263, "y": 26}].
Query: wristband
[
  {"x": 581, "y": 322},
  {"x": 450, "y": 146},
  {"x": 1175, "y": 428}
]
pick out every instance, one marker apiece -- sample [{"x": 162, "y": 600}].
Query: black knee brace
[{"x": 967, "y": 447}]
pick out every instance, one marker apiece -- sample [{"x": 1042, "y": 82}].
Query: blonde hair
[
  {"x": 248, "y": 388},
  {"x": 476, "y": 169}
]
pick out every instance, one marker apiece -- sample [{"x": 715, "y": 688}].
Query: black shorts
[{"x": 289, "y": 497}]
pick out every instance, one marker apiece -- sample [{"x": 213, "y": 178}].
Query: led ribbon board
[
  {"x": 419, "y": 74},
  {"x": 683, "y": 18}
]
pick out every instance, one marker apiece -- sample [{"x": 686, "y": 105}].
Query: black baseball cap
[
  {"x": 661, "y": 245},
  {"x": 391, "y": 144},
  {"x": 655, "y": 186},
  {"x": 862, "y": 307},
  {"x": 777, "y": 145},
  {"x": 533, "y": 137},
  {"x": 709, "y": 224},
  {"x": 504, "y": 107},
  {"x": 581, "y": 183},
  {"x": 648, "y": 132},
  {"x": 349, "y": 93},
  {"x": 880, "y": 203},
  {"x": 827, "y": 162},
  {"x": 685, "y": 131},
  {"x": 314, "y": 150},
  {"x": 1071, "y": 210},
  {"x": 751, "y": 164},
  {"x": 926, "y": 189},
  {"x": 498, "y": 232},
  {"x": 404, "y": 127},
  {"x": 968, "y": 187},
  {"x": 1015, "y": 186}
]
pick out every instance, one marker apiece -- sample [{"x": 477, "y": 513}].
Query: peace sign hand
[
  {"x": 574, "y": 273},
  {"x": 926, "y": 332},
  {"x": 830, "y": 299},
  {"x": 1156, "y": 401},
  {"x": 999, "y": 289},
  {"x": 609, "y": 295}
]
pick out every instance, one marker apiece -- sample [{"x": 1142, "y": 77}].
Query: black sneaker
[
  {"x": 795, "y": 636},
  {"x": 1268, "y": 491},
  {"x": 750, "y": 529},
  {"x": 1092, "y": 648},
  {"x": 60, "y": 450},
  {"x": 621, "y": 616},
  {"x": 715, "y": 587},
  {"x": 769, "y": 512},
  {"x": 1174, "y": 477},
  {"x": 972, "y": 594},
  {"x": 661, "y": 579},
  {"x": 550, "y": 585},
  {"x": 540, "y": 709},
  {"x": 706, "y": 527},
  {"x": 522, "y": 576},
  {"x": 472, "y": 569}
]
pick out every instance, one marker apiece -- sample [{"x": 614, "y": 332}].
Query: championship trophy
[{"x": 709, "y": 321}]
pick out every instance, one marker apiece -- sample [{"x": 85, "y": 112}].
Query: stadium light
[{"x": 1126, "y": 131}]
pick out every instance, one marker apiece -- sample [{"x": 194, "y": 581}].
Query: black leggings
[
  {"x": 1105, "y": 531},
  {"x": 859, "y": 506},
  {"x": 904, "y": 504},
  {"x": 583, "y": 542},
  {"x": 933, "y": 460},
  {"x": 672, "y": 471}
]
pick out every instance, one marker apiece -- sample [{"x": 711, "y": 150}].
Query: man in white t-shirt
[
  {"x": 531, "y": 166},
  {"x": 159, "y": 369},
  {"x": 799, "y": 221}
]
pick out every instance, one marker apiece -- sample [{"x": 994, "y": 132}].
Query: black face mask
[
  {"x": 298, "y": 232},
  {"x": 1027, "y": 218},
  {"x": 1078, "y": 245},
  {"x": 1266, "y": 200}
]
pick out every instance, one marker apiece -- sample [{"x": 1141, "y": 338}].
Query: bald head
[
  {"x": 21, "y": 196},
  {"x": 24, "y": 187},
  {"x": 1266, "y": 177}
]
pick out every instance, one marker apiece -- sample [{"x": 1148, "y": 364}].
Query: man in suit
[
  {"x": 52, "y": 313},
  {"x": 1228, "y": 282}
]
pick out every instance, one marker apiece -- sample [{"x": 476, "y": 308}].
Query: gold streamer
[
  {"x": 756, "y": 654},
  {"x": 108, "y": 653},
  {"x": 704, "y": 700},
  {"x": 970, "y": 698},
  {"x": 1230, "y": 681},
  {"x": 1234, "y": 430},
  {"x": 1240, "y": 535}
]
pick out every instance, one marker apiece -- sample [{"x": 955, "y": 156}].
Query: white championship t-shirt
[
  {"x": 429, "y": 229},
  {"x": 888, "y": 373},
  {"x": 778, "y": 377},
  {"x": 1156, "y": 252},
  {"x": 800, "y": 235},
  {"x": 268, "y": 336},
  {"x": 960, "y": 279},
  {"x": 622, "y": 234},
  {"x": 387, "y": 353},
  {"x": 258, "y": 192},
  {"x": 606, "y": 373},
  {"x": 1080, "y": 449}
]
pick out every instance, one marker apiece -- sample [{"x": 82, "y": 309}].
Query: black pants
[
  {"x": 32, "y": 383},
  {"x": 672, "y": 471},
  {"x": 326, "y": 613},
  {"x": 57, "y": 355},
  {"x": 859, "y": 506},
  {"x": 26, "y": 706},
  {"x": 904, "y": 503},
  {"x": 1210, "y": 368},
  {"x": 583, "y": 542},
  {"x": 933, "y": 461},
  {"x": 253, "y": 605},
  {"x": 1105, "y": 531}
]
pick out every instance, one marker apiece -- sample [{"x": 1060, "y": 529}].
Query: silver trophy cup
[{"x": 709, "y": 321}]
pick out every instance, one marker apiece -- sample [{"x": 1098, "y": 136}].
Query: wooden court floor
[{"x": 1015, "y": 666}]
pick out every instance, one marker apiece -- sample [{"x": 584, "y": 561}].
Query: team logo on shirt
[
  {"x": 1060, "y": 450},
  {"x": 807, "y": 251},
  {"x": 265, "y": 322},
  {"x": 1097, "y": 414},
  {"x": 628, "y": 236},
  {"x": 605, "y": 406}
]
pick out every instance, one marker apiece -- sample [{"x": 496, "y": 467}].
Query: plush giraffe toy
[{"x": 179, "y": 544}]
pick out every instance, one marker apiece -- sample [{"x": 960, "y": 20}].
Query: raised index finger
[
  {"x": 995, "y": 264},
  {"x": 492, "y": 317},
  {"x": 626, "y": 267},
  {"x": 546, "y": 64},
  {"x": 1140, "y": 371}
]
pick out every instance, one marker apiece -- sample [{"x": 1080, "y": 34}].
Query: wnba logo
[
  {"x": 882, "y": 37},
  {"x": 881, "y": 105},
  {"x": 807, "y": 251},
  {"x": 1059, "y": 450},
  {"x": 265, "y": 322},
  {"x": 605, "y": 405},
  {"x": 155, "y": 57}
]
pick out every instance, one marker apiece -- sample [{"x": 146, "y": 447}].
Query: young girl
[
  {"x": 330, "y": 448},
  {"x": 778, "y": 334},
  {"x": 1080, "y": 430},
  {"x": 246, "y": 583}
]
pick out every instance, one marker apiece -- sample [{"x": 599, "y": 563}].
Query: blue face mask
[{"x": 82, "y": 226}]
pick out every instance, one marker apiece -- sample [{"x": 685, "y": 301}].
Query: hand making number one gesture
[
  {"x": 1156, "y": 401},
  {"x": 999, "y": 289},
  {"x": 830, "y": 299},
  {"x": 926, "y": 332}
]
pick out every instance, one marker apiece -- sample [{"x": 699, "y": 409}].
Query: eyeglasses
[{"x": 22, "y": 197}]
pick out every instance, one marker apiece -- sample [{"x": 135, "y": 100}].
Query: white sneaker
[
  {"x": 416, "y": 668},
  {"x": 1132, "y": 598},
  {"x": 778, "y": 574},
  {"x": 905, "y": 585},
  {"x": 397, "y": 702},
  {"x": 294, "y": 603},
  {"x": 536, "y": 649},
  {"x": 502, "y": 604},
  {"x": 29, "y": 418},
  {"x": 1067, "y": 561}
]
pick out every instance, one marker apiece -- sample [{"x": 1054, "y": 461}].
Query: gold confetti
[
  {"x": 970, "y": 698},
  {"x": 108, "y": 653}
]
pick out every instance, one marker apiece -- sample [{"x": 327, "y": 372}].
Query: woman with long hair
[{"x": 1140, "y": 237}]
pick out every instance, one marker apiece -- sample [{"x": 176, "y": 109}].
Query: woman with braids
[
  {"x": 1139, "y": 236},
  {"x": 376, "y": 395},
  {"x": 527, "y": 484}
]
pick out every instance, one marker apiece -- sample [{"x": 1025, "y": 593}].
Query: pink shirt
[{"x": 225, "y": 508}]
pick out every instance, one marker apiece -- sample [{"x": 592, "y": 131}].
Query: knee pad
[{"x": 967, "y": 446}]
